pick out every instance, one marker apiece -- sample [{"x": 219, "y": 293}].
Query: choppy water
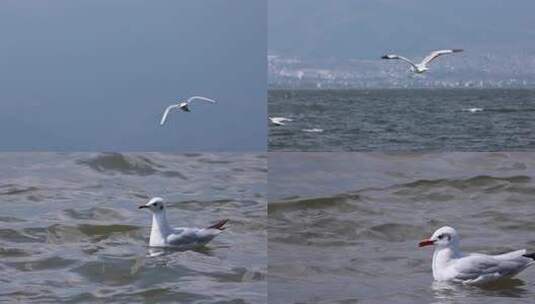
[
  {"x": 403, "y": 120},
  {"x": 70, "y": 230},
  {"x": 344, "y": 227}
]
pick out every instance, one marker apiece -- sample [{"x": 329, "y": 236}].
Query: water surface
[
  {"x": 403, "y": 120},
  {"x": 344, "y": 227},
  {"x": 70, "y": 230}
]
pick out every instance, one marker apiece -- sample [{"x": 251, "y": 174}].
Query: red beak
[{"x": 427, "y": 242}]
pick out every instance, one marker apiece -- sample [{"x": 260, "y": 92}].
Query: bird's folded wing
[
  {"x": 474, "y": 266},
  {"x": 510, "y": 255},
  {"x": 166, "y": 112},
  {"x": 190, "y": 236},
  {"x": 183, "y": 236},
  {"x": 479, "y": 267}
]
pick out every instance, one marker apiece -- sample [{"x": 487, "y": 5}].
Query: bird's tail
[
  {"x": 529, "y": 255},
  {"x": 219, "y": 225}
]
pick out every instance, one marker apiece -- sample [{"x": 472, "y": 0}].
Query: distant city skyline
[{"x": 338, "y": 43}]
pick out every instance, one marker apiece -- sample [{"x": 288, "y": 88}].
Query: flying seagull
[
  {"x": 162, "y": 235},
  {"x": 279, "y": 121},
  {"x": 449, "y": 264},
  {"x": 184, "y": 106},
  {"x": 422, "y": 66}
]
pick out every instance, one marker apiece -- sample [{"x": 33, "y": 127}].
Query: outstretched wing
[
  {"x": 394, "y": 56},
  {"x": 166, "y": 112},
  {"x": 201, "y": 98},
  {"x": 279, "y": 120},
  {"x": 436, "y": 54}
]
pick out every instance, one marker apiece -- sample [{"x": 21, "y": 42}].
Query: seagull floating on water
[
  {"x": 163, "y": 235},
  {"x": 422, "y": 66},
  {"x": 449, "y": 264},
  {"x": 184, "y": 106},
  {"x": 279, "y": 121}
]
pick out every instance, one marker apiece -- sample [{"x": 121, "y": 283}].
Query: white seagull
[
  {"x": 279, "y": 121},
  {"x": 473, "y": 110},
  {"x": 184, "y": 106},
  {"x": 449, "y": 264},
  {"x": 422, "y": 66},
  {"x": 163, "y": 235}
]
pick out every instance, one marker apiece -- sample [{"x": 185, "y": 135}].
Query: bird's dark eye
[{"x": 443, "y": 236}]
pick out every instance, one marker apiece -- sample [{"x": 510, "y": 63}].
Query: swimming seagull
[
  {"x": 162, "y": 235},
  {"x": 279, "y": 121},
  {"x": 449, "y": 264},
  {"x": 422, "y": 66},
  {"x": 184, "y": 106}
]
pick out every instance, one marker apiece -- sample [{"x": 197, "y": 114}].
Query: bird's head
[
  {"x": 443, "y": 237},
  {"x": 155, "y": 205}
]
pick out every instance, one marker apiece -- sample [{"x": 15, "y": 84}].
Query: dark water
[
  {"x": 70, "y": 230},
  {"x": 344, "y": 227},
  {"x": 403, "y": 120}
]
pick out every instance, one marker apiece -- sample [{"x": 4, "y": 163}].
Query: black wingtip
[
  {"x": 219, "y": 225},
  {"x": 457, "y": 50},
  {"x": 530, "y": 255},
  {"x": 384, "y": 57}
]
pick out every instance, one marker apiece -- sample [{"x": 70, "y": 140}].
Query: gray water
[
  {"x": 344, "y": 227},
  {"x": 403, "y": 120},
  {"x": 70, "y": 230}
]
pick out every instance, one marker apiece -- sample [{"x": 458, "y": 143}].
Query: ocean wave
[{"x": 110, "y": 163}]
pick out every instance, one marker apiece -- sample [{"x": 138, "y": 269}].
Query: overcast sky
[
  {"x": 362, "y": 29},
  {"x": 97, "y": 74}
]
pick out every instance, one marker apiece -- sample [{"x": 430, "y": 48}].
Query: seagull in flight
[
  {"x": 279, "y": 121},
  {"x": 423, "y": 65},
  {"x": 184, "y": 106},
  {"x": 449, "y": 264},
  {"x": 163, "y": 235}
]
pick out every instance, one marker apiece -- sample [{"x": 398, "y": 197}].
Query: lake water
[
  {"x": 403, "y": 120},
  {"x": 344, "y": 227},
  {"x": 70, "y": 230}
]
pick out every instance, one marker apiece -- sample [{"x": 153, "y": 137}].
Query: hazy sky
[
  {"x": 97, "y": 74},
  {"x": 362, "y": 29}
]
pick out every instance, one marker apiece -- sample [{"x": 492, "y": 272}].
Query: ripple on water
[
  {"x": 111, "y": 163},
  {"x": 47, "y": 263}
]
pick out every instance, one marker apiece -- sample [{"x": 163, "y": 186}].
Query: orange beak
[{"x": 427, "y": 242}]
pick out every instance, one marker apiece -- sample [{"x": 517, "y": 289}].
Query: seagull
[
  {"x": 473, "y": 110},
  {"x": 449, "y": 264},
  {"x": 162, "y": 235},
  {"x": 279, "y": 121},
  {"x": 313, "y": 130},
  {"x": 184, "y": 106},
  {"x": 422, "y": 66}
]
